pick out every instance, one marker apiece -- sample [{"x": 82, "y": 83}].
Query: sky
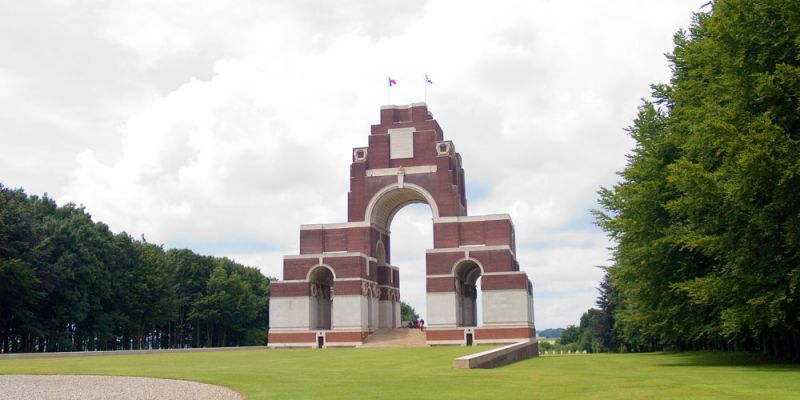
[{"x": 222, "y": 126}]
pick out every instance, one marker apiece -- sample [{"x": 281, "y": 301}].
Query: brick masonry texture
[
  {"x": 334, "y": 337},
  {"x": 495, "y": 260},
  {"x": 296, "y": 269},
  {"x": 355, "y": 239},
  {"x": 443, "y": 284},
  {"x": 442, "y": 263},
  {"x": 347, "y": 267},
  {"x": 342, "y": 288},
  {"x": 491, "y": 233},
  {"x": 289, "y": 289},
  {"x": 450, "y": 334},
  {"x": 298, "y": 337},
  {"x": 503, "y": 333}
]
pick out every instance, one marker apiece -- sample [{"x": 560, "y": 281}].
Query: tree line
[
  {"x": 595, "y": 332},
  {"x": 706, "y": 216},
  {"x": 70, "y": 284}
]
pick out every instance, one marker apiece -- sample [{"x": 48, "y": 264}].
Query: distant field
[{"x": 426, "y": 373}]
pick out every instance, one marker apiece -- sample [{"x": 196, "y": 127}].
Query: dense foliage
[
  {"x": 595, "y": 333},
  {"x": 551, "y": 333},
  {"x": 407, "y": 312},
  {"x": 68, "y": 283},
  {"x": 706, "y": 218}
]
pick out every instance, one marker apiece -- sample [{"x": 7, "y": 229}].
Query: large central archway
[
  {"x": 388, "y": 201},
  {"x": 407, "y": 161},
  {"x": 410, "y": 232}
]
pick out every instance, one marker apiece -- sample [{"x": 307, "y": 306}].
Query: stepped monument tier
[{"x": 342, "y": 287}]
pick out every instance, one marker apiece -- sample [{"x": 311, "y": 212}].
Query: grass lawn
[{"x": 426, "y": 373}]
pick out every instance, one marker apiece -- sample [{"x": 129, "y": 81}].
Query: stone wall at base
[
  {"x": 456, "y": 336},
  {"x": 463, "y": 336}
]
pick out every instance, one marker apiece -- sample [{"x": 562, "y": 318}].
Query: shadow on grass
[{"x": 754, "y": 361}]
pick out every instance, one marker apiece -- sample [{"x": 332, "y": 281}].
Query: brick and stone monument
[{"x": 342, "y": 286}]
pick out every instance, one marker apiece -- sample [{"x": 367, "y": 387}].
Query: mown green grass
[{"x": 426, "y": 373}]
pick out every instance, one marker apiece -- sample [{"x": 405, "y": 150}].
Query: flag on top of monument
[
  {"x": 428, "y": 80},
  {"x": 392, "y": 82}
]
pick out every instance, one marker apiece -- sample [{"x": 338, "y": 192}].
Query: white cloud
[{"x": 222, "y": 127}]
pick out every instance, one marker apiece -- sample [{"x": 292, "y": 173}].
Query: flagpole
[{"x": 428, "y": 81}]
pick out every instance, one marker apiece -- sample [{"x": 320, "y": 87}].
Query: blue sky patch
[{"x": 477, "y": 190}]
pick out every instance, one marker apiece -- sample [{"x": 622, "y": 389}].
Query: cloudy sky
[{"x": 222, "y": 126}]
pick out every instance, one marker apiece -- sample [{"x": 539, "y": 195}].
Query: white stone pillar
[
  {"x": 468, "y": 305},
  {"x": 386, "y": 314},
  {"x": 326, "y": 306},
  {"x": 374, "y": 312},
  {"x": 397, "y": 314}
]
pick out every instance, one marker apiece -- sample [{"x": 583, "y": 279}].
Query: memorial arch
[{"x": 342, "y": 286}]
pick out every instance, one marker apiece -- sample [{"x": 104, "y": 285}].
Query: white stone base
[
  {"x": 350, "y": 313},
  {"x": 507, "y": 307},
  {"x": 442, "y": 309},
  {"x": 289, "y": 313}
]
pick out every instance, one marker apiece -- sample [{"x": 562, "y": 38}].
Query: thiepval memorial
[{"x": 342, "y": 286}]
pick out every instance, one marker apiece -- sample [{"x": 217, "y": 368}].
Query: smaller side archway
[
  {"x": 467, "y": 272},
  {"x": 320, "y": 280}
]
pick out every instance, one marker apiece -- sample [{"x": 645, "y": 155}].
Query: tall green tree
[
  {"x": 20, "y": 288},
  {"x": 152, "y": 301},
  {"x": 192, "y": 272},
  {"x": 572, "y": 334},
  {"x": 707, "y": 216}
]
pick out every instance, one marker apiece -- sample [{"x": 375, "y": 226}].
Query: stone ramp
[
  {"x": 397, "y": 337},
  {"x": 500, "y": 356}
]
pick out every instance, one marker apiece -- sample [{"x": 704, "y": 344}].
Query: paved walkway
[
  {"x": 91, "y": 387},
  {"x": 399, "y": 337}
]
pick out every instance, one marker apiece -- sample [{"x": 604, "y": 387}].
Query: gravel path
[{"x": 90, "y": 387}]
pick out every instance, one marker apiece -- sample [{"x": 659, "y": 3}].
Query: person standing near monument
[{"x": 422, "y": 324}]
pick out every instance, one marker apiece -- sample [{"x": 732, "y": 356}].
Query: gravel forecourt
[{"x": 90, "y": 387}]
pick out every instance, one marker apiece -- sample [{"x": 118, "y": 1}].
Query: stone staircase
[{"x": 396, "y": 337}]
